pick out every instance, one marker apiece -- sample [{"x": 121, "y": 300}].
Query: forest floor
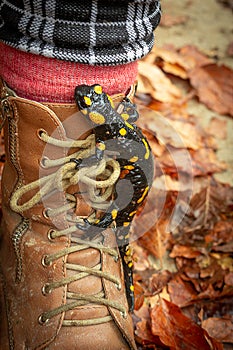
[
  {"x": 184, "y": 236},
  {"x": 209, "y": 26}
]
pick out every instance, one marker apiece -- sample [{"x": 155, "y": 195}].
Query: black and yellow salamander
[{"x": 117, "y": 132}]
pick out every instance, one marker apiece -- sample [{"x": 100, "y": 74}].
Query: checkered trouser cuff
[{"x": 95, "y": 32}]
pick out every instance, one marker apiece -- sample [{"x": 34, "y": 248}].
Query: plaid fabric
[{"x": 95, "y": 32}]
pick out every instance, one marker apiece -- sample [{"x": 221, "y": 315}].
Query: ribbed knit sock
[{"x": 51, "y": 80}]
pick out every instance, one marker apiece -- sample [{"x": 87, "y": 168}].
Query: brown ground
[{"x": 207, "y": 24}]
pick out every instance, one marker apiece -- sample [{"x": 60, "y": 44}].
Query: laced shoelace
[{"x": 100, "y": 179}]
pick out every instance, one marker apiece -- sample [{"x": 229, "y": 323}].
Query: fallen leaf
[
  {"x": 178, "y": 62},
  {"x": 157, "y": 84},
  {"x": 205, "y": 162},
  {"x": 139, "y": 295},
  {"x": 219, "y": 328},
  {"x": 194, "y": 56},
  {"x": 143, "y": 332},
  {"x": 158, "y": 281},
  {"x": 177, "y": 133},
  {"x": 166, "y": 183},
  {"x": 184, "y": 251},
  {"x": 214, "y": 85},
  {"x": 229, "y": 279},
  {"x": 179, "y": 332},
  {"x": 218, "y": 128},
  {"x": 181, "y": 292},
  {"x": 155, "y": 240}
]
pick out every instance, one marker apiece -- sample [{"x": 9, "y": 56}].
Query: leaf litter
[{"x": 185, "y": 273}]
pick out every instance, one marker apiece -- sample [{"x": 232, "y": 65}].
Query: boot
[{"x": 58, "y": 291}]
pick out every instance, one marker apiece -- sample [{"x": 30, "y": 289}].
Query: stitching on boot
[
  {"x": 20, "y": 230},
  {"x": 13, "y": 150}
]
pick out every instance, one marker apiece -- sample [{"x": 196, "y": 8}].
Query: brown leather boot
[{"x": 58, "y": 291}]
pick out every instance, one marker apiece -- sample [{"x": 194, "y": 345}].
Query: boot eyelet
[
  {"x": 46, "y": 213},
  {"x": 46, "y": 289},
  {"x": 40, "y": 132},
  {"x": 42, "y": 320},
  {"x": 43, "y": 161},
  {"x": 44, "y": 262},
  {"x": 124, "y": 314},
  {"x": 118, "y": 286},
  {"x": 50, "y": 235}
]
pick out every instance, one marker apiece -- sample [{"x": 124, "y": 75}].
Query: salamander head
[
  {"x": 94, "y": 103},
  {"x": 87, "y": 96}
]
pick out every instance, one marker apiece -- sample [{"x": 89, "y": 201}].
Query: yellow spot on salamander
[
  {"x": 122, "y": 131},
  {"x": 114, "y": 214},
  {"x": 133, "y": 213},
  {"x": 101, "y": 146},
  {"x": 125, "y": 224},
  {"x": 131, "y": 288},
  {"x": 111, "y": 101},
  {"x": 127, "y": 236},
  {"x": 129, "y": 125},
  {"x": 130, "y": 264},
  {"x": 147, "y": 154},
  {"x": 96, "y": 118},
  {"x": 97, "y": 221},
  {"x": 143, "y": 195},
  {"x": 87, "y": 101},
  {"x": 128, "y": 252},
  {"x": 129, "y": 167},
  {"x": 125, "y": 116},
  {"x": 133, "y": 159},
  {"x": 84, "y": 111},
  {"x": 98, "y": 89}
]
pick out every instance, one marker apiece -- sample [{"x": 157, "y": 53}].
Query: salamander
[{"x": 118, "y": 132}]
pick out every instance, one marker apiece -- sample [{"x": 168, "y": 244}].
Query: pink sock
[{"x": 52, "y": 80}]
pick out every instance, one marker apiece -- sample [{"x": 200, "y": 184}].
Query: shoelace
[{"x": 100, "y": 176}]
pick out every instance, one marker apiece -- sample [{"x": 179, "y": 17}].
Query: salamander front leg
[{"x": 92, "y": 160}]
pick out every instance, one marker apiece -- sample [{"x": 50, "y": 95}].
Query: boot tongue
[
  {"x": 89, "y": 284},
  {"x": 82, "y": 207}
]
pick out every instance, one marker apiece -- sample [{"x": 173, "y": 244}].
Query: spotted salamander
[{"x": 117, "y": 132}]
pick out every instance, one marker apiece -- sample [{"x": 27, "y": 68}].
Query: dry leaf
[
  {"x": 144, "y": 335},
  {"x": 157, "y": 84},
  {"x": 218, "y": 128},
  {"x": 178, "y": 331},
  {"x": 155, "y": 240},
  {"x": 158, "y": 281},
  {"x": 214, "y": 85},
  {"x": 177, "y": 133},
  {"x": 139, "y": 295},
  {"x": 205, "y": 162},
  {"x": 229, "y": 279},
  {"x": 184, "y": 251},
  {"x": 194, "y": 56},
  {"x": 219, "y": 328},
  {"x": 181, "y": 292},
  {"x": 178, "y": 62}
]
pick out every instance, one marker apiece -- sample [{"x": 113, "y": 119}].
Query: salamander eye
[
  {"x": 87, "y": 101},
  {"x": 98, "y": 89},
  {"x": 84, "y": 102}
]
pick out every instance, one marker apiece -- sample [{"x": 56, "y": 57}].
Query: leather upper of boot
[{"x": 61, "y": 292}]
